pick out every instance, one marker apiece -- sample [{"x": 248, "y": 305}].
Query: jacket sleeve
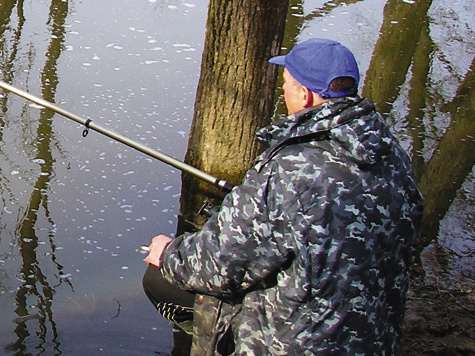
[{"x": 238, "y": 248}]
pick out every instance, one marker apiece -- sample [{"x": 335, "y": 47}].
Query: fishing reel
[{"x": 207, "y": 209}]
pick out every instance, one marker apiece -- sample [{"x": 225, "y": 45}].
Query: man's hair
[
  {"x": 342, "y": 84},
  {"x": 337, "y": 85}
]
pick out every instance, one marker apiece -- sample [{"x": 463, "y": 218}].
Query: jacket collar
[
  {"x": 365, "y": 143},
  {"x": 313, "y": 120}
]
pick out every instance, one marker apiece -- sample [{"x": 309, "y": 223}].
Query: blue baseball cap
[{"x": 316, "y": 62}]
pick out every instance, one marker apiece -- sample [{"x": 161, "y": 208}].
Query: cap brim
[{"x": 278, "y": 60}]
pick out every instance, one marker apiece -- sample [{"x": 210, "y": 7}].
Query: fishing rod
[{"x": 219, "y": 183}]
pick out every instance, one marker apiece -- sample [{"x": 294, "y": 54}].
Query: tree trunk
[
  {"x": 452, "y": 161},
  {"x": 393, "y": 54},
  {"x": 235, "y": 92}
]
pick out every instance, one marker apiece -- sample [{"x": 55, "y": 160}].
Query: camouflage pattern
[{"x": 310, "y": 255}]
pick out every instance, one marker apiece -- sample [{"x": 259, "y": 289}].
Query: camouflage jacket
[{"x": 310, "y": 255}]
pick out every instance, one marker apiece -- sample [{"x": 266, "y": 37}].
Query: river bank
[{"x": 440, "y": 317}]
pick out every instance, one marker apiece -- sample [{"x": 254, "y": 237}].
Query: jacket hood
[{"x": 351, "y": 123}]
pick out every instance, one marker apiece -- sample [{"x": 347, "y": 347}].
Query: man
[{"x": 310, "y": 255}]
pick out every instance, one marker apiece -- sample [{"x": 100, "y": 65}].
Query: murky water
[
  {"x": 74, "y": 209},
  {"x": 417, "y": 60}
]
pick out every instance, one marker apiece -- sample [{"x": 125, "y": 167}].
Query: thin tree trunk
[
  {"x": 235, "y": 91},
  {"x": 452, "y": 160},
  {"x": 394, "y": 52}
]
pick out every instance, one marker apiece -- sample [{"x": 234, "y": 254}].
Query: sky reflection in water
[{"x": 75, "y": 209}]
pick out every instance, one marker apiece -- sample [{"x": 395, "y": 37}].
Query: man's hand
[{"x": 156, "y": 248}]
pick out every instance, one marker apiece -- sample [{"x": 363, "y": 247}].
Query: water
[
  {"x": 425, "y": 88},
  {"x": 74, "y": 210}
]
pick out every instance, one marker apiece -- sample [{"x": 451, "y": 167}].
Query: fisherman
[{"x": 310, "y": 255}]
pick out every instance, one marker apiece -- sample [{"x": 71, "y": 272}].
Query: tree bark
[
  {"x": 235, "y": 92},
  {"x": 394, "y": 51},
  {"x": 452, "y": 161}
]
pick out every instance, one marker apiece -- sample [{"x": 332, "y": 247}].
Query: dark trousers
[{"x": 172, "y": 303}]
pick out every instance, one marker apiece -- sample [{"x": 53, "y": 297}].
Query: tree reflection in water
[
  {"x": 405, "y": 59},
  {"x": 400, "y": 79},
  {"x": 34, "y": 296}
]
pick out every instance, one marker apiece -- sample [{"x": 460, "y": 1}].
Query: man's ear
[
  {"x": 307, "y": 97},
  {"x": 310, "y": 99}
]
